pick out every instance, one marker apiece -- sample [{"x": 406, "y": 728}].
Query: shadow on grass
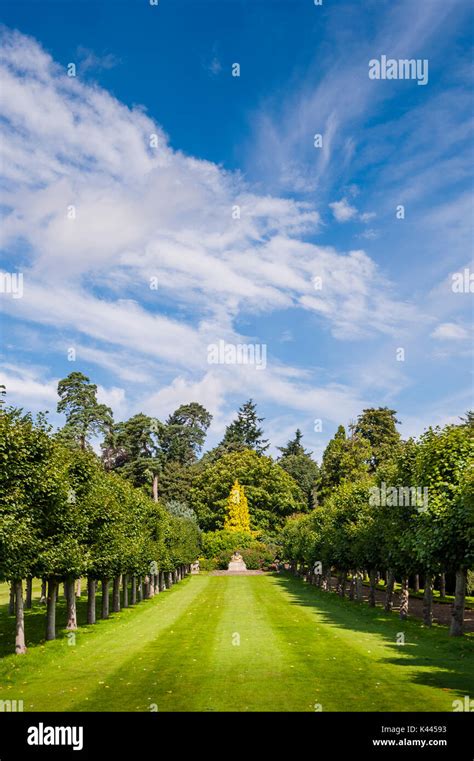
[
  {"x": 442, "y": 661},
  {"x": 35, "y": 622},
  {"x": 171, "y": 655}
]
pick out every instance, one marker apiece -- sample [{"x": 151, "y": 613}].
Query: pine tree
[
  {"x": 245, "y": 432},
  {"x": 237, "y": 518},
  {"x": 468, "y": 419},
  {"x": 297, "y": 462},
  {"x": 294, "y": 446},
  {"x": 85, "y": 417}
]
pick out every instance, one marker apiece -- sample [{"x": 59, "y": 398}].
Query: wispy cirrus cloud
[
  {"x": 449, "y": 331},
  {"x": 90, "y": 61},
  {"x": 337, "y": 100},
  {"x": 100, "y": 217}
]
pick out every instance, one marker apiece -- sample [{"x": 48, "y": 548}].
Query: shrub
[
  {"x": 222, "y": 560},
  {"x": 219, "y": 546},
  {"x": 215, "y": 543},
  {"x": 207, "y": 564},
  {"x": 258, "y": 557},
  {"x": 180, "y": 510}
]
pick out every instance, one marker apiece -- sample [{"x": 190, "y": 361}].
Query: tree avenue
[
  {"x": 426, "y": 529},
  {"x": 132, "y": 521},
  {"x": 64, "y": 517}
]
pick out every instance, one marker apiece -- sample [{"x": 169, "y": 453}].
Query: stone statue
[{"x": 237, "y": 563}]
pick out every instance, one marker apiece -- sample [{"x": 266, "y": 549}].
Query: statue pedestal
[{"x": 237, "y": 565}]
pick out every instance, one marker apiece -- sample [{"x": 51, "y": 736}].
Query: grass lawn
[{"x": 242, "y": 643}]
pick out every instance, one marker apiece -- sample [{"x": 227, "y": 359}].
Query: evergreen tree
[
  {"x": 297, "y": 462},
  {"x": 237, "y": 517},
  {"x": 85, "y": 417},
  {"x": 133, "y": 448},
  {"x": 180, "y": 510},
  {"x": 468, "y": 419},
  {"x": 294, "y": 446},
  {"x": 185, "y": 432},
  {"x": 244, "y": 432}
]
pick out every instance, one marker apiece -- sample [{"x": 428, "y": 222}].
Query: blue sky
[{"x": 165, "y": 212}]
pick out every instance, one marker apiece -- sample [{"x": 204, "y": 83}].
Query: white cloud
[
  {"x": 25, "y": 386},
  {"x": 343, "y": 211},
  {"x": 449, "y": 331},
  {"x": 145, "y": 212},
  {"x": 214, "y": 67},
  {"x": 369, "y": 234},
  {"x": 91, "y": 61},
  {"x": 282, "y": 148},
  {"x": 114, "y": 398}
]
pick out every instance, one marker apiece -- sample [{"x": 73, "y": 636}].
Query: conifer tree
[
  {"x": 237, "y": 518},
  {"x": 244, "y": 432},
  {"x": 85, "y": 417}
]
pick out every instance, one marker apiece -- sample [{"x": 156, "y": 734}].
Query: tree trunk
[
  {"x": 372, "y": 582},
  {"x": 457, "y": 612},
  {"x": 416, "y": 583},
  {"x": 162, "y": 581},
  {"x": 43, "y": 592},
  {"x": 329, "y": 580},
  {"x": 140, "y": 589},
  {"x": 352, "y": 587},
  {"x": 175, "y": 576},
  {"x": 404, "y": 598},
  {"x": 29, "y": 592},
  {"x": 155, "y": 487},
  {"x": 442, "y": 585},
  {"x": 428, "y": 600},
  {"x": 125, "y": 589},
  {"x": 151, "y": 582},
  {"x": 105, "y": 598},
  {"x": 359, "y": 587},
  {"x": 170, "y": 579},
  {"x": 134, "y": 590},
  {"x": 71, "y": 604},
  {"x": 342, "y": 584},
  {"x": 51, "y": 609},
  {"x": 20, "y": 643},
  {"x": 116, "y": 594},
  {"x": 156, "y": 583},
  {"x": 11, "y": 601},
  {"x": 91, "y": 591},
  {"x": 149, "y": 591},
  {"x": 78, "y": 587},
  {"x": 389, "y": 591}
]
